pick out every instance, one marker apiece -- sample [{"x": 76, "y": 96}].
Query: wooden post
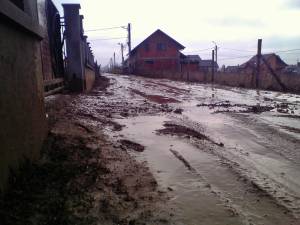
[
  {"x": 114, "y": 60},
  {"x": 122, "y": 50},
  {"x": 129, "y": 39},
  {"x": 129, "y": 47},
  {"x": 213, "y": 66},
  {"x": 188, "y": 70},
  {"x": 258, "y": 57},
  {"x": 216, "y": 51}
]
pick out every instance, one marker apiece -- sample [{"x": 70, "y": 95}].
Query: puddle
[
  {"x": 210, "y": 193},
  {"x": 262, "y": 154}
]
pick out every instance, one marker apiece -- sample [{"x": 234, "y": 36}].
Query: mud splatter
[
  {"x": 130, "y": 145},
  {"x": 175, "y": 129},
  {"x": 156, "y": 98}
]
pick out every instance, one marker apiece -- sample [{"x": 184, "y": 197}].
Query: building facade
[{"x": 157, "y": 54}]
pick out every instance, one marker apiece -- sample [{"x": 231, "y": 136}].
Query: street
[{"x": 247, "y": 161}]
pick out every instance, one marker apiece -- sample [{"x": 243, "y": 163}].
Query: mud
[
  {"x": 83, "y": 177},
  {"x": 156, "y": 98},
  {"x": 143, "y": 151},
  {"x": 175, "y": 129},
  {"x": 226, "y": 107},
  {"x": 182, "y": 159},
  {"x": 130, "y": 145}
]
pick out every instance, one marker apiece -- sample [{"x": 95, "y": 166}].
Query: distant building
[
  {"x": 232, "y": 69},
  {"x": 190, "y": 63},
  {"x": 158, "y": 53},
  {"x": 275, "y": 62},
  {"x": 206, "y": 65},
  {"x": 292, "y": 69}
]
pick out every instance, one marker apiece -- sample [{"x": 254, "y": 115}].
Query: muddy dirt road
[
  {"x": 224, "y": 155},
  {"x": 139, "y": 151}
]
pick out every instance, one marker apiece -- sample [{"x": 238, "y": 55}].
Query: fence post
[
  {"x": 258, "y": 57},
  {"x": 213, "y": 66}
]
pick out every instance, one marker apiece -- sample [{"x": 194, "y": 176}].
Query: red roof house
[{"x": 157, "y": 54}]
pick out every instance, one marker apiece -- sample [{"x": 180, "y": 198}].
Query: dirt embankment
[{"x": 82, "y": 177}]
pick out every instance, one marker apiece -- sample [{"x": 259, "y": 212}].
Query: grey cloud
[{"x": 293, "y": 4}]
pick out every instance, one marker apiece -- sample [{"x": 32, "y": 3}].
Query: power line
[
  {"x": 201, "y": 50},
  {"x": 107, "y": 28},
  {"x": 106, "y": 39},
  {"x": 289, "y": 50},
  {"x": 239, "y": 50},
  {"x": 240, "y": 57}
]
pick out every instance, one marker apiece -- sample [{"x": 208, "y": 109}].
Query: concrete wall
[
  {"x": 246, "y": 80},
  {"x": 23, "y": 122},
  {"x": 89, "y": 78},
  {"x": 80, "y": 59}
]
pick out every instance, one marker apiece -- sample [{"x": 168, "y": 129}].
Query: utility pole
[
  {"x": 216, "y": 51},
  {"x": 213, "y": 66},
  {"x": 114, "y": 60},
  {"x": 129, "y": 39},
  {"x": 111, "y": 64},
  {"x": 188, "y": 70},
  {"x": 122, "y": 53},
  {"x": 258, "y": 57}
]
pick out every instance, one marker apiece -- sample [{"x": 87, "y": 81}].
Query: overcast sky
[{"x": 235, "y": 25}]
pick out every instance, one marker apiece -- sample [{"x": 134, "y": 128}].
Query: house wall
[
  {"x": 190, "y": 67},
  {"x": 156, "y": 61},
  {"x": 23, "y": 122}
]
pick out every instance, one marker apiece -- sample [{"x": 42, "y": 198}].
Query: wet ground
[
  {"x": 224, "y": 155},
  {"x": 154, "y": 151}
]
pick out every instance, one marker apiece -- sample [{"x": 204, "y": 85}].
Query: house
[
  {"x": 232, "y": 69},
  {"x": 206, "y": 65},
  {"x": 190, "y": 63},
  {"x": 292, "y": 69},
  {"x": 157, "y": 54},
  {"x": 275, "y": 62}
]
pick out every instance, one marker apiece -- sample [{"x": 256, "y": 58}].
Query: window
[
  {"x": 161, "y": 47},
  {"x": 18, "y": 3},
  {"x": 146, "y": 46},
  {"x": 149, "y": 62}
]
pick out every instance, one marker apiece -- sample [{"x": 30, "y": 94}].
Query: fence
[{"x": 245, "y": 80}]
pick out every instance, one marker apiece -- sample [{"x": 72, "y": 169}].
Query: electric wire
[{"x": 107, "y": 28}]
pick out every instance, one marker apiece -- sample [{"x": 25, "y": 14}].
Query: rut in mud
[
  {"x": 224, "y": 136},
  {"x": 143, "y": 151}
]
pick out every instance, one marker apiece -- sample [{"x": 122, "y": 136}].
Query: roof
[
  {"x": 207, "y": 63},
  {"x": 232, "y": 68},
  {"x": 191, "y": 58},
  {"x": 252, "y": 61},
  {"x": 158, "y": 31},
  {"x": 194, "y": 57}
]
